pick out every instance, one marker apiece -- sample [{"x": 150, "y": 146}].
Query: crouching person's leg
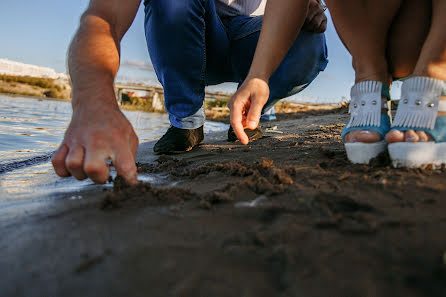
[
  {"x": 176, "y": 39},
  {"x": 304, "y": 61}
]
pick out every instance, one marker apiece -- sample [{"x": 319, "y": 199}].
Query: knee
[
  {"x": 307, "y": 57},
  {"x": 305, "y": 60},
  {"x": 402, "y": 56},
  {"x": 401, "y": 62},
  {"x": 173, "y": 12},
  {"x": 401, "y": 71},
  {"x": 319, "y": 46}
]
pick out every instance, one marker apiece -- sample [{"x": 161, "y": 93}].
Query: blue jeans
[{"x": 191, "y": 48}]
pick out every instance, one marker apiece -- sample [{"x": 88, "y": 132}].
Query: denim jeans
[{"x": 191, "y": 48}]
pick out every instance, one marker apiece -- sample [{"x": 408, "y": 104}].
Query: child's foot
[
  {"x": 408, "y": 136},
  {"x": 369, "y": 121},
  {"x": 412, "y": 135},
  {"x": 365, "y": 136},
  {"x": 418, "y": 135}
]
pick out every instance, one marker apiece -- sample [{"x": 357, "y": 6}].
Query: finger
[
  {"x": 74, "y": 162},
  {"x": 124, "y": 163},
  {"x": 312, "y": 11},
  {"x": 95, "y": 166},
  {"x": 317, "y": 21},
  {"x": 58, "y": 161},
  {"x": 236, "y": 121},
  {"x": 323, "y": 26},
  {"x": 255, "y": 111}
]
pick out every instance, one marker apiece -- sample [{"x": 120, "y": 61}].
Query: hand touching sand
[
  {"x": 275, "y": 40},
  {"x": 98, "y": 131},
  {"x": 95, "y": 135},
  {"x": 246, "y": 106}
]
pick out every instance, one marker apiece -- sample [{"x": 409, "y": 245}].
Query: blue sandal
[
  {"x": 366, "y": 114},
  {"x": 419, "y": 104}
]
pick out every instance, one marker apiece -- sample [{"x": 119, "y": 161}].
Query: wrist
[
  {"x": 94, "y": 99},
  {"x": 264, "y": 76}
]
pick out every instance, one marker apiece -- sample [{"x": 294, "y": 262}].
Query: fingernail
[
  {"x": 410, "y": 139},
  {"x": 365, "y": 132}
]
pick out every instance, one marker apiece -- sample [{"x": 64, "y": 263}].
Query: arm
[
  {"x": 282, "y": 22},
  {"x": 98, "y": 130}
]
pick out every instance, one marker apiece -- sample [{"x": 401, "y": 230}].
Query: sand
[{"x": 287, "y": 215}]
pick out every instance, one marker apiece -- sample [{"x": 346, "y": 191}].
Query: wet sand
[{"x": 284, "y": 216}]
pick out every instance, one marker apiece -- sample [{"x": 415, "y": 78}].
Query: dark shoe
[
  {"x": 178, "y": 140},
  {"x": 252, "y": 134}
]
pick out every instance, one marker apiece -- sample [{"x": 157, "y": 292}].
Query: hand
[
  {"x": 316, "y": 20},
  {"x": 246, "y": 106},
  {"x": 97, "y": 133}
]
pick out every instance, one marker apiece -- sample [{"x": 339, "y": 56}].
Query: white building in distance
[{"x": 9, "y": 67}]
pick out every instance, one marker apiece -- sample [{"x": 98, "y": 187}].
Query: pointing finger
[
  {"x": 236, "y": 121},
  {"x": 255, "y": 111}
]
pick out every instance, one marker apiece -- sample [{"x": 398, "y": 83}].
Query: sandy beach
[{"x": 287, "y": 215}]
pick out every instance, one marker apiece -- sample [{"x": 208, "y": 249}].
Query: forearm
[
  {"x": 93, "y": 60},
  {"x": 282, "y": 22}
]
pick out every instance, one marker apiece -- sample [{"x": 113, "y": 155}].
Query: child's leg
[
  {"x": 431, "y": 63},
  {"x": 363, "y": 26},
  {"x": 404, "y": 48}
]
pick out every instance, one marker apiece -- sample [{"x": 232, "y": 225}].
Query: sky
[{"x": 39, "y": 32}]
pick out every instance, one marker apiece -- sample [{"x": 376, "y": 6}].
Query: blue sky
[{"x": 39, "y": 32}]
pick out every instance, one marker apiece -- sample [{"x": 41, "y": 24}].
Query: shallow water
[{"x": 31, "y": 129}]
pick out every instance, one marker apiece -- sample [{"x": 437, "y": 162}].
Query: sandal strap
[
  {"x": 438, "y": 133},
  {"x": 366, "y": 104},
  {"x": 382, "y": 129},
  {"x": 419, "y": 103}
]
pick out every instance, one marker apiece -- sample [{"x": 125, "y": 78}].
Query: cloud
[
  {"x": 327, "y": 76},
  {"x": 136, "y": 64}
]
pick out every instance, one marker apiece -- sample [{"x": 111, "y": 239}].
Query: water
[{"x": 31, "y": 129}]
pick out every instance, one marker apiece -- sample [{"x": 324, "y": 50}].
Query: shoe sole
[
  {"x": 362, "y": 153},
  {"x": 178, "y": 152},
  {"x": 416, "y": 155}
]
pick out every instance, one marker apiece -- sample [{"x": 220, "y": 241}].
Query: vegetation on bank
[
  {"x": 220, "y": 102},
  {"x": 23, "y": 93},
  {"x": 33, "y": 86},
  {"x": 216, "y": 104},
  {"x": 130, "y": 102},
  {"x": 212, "y": 103}
]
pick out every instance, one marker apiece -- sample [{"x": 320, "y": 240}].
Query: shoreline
[
  {"x": 278, "y": 217},
  {"x": 32, "y": 97},
  {"x": 284, "y": 110}
]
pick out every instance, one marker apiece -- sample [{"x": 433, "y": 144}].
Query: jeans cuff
[{"x": 191, "y": 122}]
